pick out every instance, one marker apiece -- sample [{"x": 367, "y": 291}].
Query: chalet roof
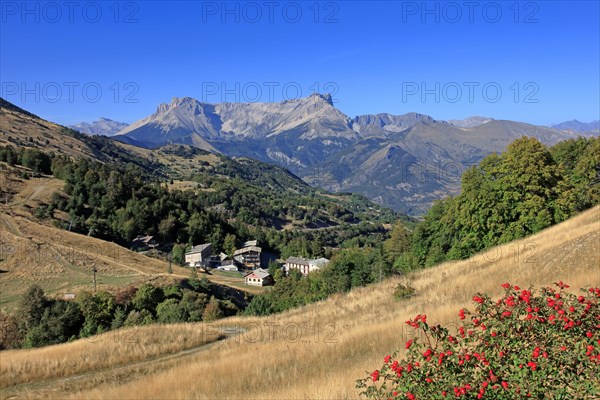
[
  {"x": 318, "y": 262},
  {"x": 247, "y": 249},
  {"x": 199, "y": 248},
  {"x": 297, "y": 260},
  {"x": 259, "y": 273},
  {"x": 250, "y": 243},
  {"x": 143, "y": 239}
]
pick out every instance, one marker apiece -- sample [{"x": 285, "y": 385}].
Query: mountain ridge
[
  {"x": 319, "y": 143},
  {"x": 407, "y": 161}
]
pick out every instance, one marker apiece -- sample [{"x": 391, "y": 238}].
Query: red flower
[
  {"x": 410, "y": 396},
  {"x": 408, "y": 344},
  {"x": 375, "y": 376},
  {"x": 387, "y": 359},
  {"x": 478, "y": 299},
  {"x": 506, "y": 285},
  {"x": 504, "y": 385}
]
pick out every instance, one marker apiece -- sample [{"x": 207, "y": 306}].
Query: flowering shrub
[{"x": 528, "y": 344}]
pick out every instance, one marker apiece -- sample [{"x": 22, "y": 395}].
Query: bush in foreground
[{"x": 529, "y": 344}]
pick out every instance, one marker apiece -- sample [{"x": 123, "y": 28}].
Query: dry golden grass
[
  {"x": 108, "y": 350},
  {"x": 59, "y": 261},
  {"x": 318, "y": 351}
]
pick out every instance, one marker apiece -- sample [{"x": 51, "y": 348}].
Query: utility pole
[{"x": 95, "y": 270}]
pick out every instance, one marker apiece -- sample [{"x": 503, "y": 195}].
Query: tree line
[{"x": 40, "y": 320}]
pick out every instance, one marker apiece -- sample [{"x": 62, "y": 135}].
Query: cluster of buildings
[{"x": 248, "y": 259}]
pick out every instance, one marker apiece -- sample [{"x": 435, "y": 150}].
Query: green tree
[
  {"x": 32, "y": 305},
  {"x": 98, "y": 311},
  {"x": 147, "y": 298},
  {"x": 229, "y": 244},
  {"x": 60, "y": 322},
  {"x": 193, "y": 304},
  {"x": 118, "y": 319},
  {"x": 136, "y": 317},
  {"x": 169, "y": 311},
  {"x": 166, "y": 227},
  {"x": 398, "y": 243},
  {"x": 178, "y": 254}
]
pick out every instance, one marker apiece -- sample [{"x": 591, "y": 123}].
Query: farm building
[
  {"x": 249, "y": 257},
  {"x": 259, "y": 277},
  {"x": 143, "y": 243},
  {"x": 304, "y": 265},
  {"x": 199, "y": 256}
]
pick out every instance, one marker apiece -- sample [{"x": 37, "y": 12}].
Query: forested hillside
[
  {"x": 118, "y": 202},
  {"x": 508, "y": 196}
]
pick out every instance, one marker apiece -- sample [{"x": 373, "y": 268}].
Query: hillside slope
[{"x": 318, "y": 351}]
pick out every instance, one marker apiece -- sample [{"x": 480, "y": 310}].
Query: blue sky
[{"x": 536, "y": 62}]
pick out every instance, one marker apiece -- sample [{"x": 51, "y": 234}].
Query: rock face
[
  {"x": 470, "y": 122},
  {"x": 401, "y": 161},
  {"x": 103, "y": 126}
]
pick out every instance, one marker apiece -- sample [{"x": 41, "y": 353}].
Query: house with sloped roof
[
  {"x": 304, "y": 265},
  {"x": 249, "y": 257},
  {"x": 259, "y": 277},
  {"x": 199, "y": 256},
  {"x": 144, "y": 242}
]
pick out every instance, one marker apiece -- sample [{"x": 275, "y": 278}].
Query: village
[{"x": 248, "y": 261}]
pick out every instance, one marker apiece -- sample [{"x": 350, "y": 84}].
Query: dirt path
[
  {"x": 9, "y": 224},
  {"x": 36, "y": 188},
  {"x": 109, "y": 375}
]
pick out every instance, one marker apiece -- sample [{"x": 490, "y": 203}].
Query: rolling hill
[{"x": 312, "y": 352}]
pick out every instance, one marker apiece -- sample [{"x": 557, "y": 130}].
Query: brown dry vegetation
[
  {"x": 318, "y": 351},
  {"x": 101, "y": 353},
  {"x": 33, "y": 252}
]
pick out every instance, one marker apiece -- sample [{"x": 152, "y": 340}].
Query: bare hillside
[{"x": 318, "y": 351}]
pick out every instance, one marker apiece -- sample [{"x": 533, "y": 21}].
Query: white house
[
  {"x": 199, "y": 256},
  {"x": 259, "y": 277},
  {"x": 304, "y": 265}
]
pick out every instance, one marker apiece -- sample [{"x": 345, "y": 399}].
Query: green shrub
[{"x": 403, "y": 290}]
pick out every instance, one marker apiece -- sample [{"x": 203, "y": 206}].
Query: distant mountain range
[
  {"x": 103, "y": 126},
  {"x": 576, "y": 126},
  {"x": 402, "y": 161}
]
